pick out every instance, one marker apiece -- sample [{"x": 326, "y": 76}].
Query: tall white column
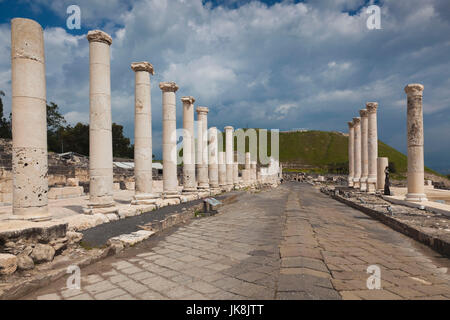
[
  {"x": 100, "y": 125},
  {"x": 246, "y": 173},
  {"x": 372, "y": 145},
  {"x": 222, "y": 170},
  {"x": 416, "y": 181},
  {"x": 202, "y": 150},
  {"x": 364, "y": 150},
  {"x": 253, "y": 170},
  {"x": 357, "y": 157},
  {"x": 213, "y": 164},
  {"x": 236, "y": 174},
  {"x": 170, "y": 181},
  {"x": 382, "y": 164},
  {"x": 351, "y": 153},
  {"x": 29, "y": 121},
  {"x": 143, "y": 134},
  {"x": 189, "y": 182},
  {"x": 229, "y": 152}
]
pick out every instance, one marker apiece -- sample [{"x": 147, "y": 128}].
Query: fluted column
[
  {"x": 416, "y": 189},
  {"x": 364, "y": 150},
  {"x": 357, "y": 157},
  {"x": 372, "y": 145},
  {"x": 222, "y": 170},
  {"x": 100, "y": 125},
  {"x": 169, "y": 144},
  {"x": 189, "y": 182},
  {"x": 202, "y": 150},
  {"x": 143, "y": 134},
  {"x": 382, "y": 164},
  {"x": 229, "y": 155},
  {"x": 351, "y": 153},
  {"x": 213, "y": 164},
  {"x": 29, "y": 121}
]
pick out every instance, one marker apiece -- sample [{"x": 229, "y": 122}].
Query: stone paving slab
[{"x": 253, "y": 249}]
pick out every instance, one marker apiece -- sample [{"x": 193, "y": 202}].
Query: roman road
[{"x": 291, "y": 242}]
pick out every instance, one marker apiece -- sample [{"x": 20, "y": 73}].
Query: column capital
[
  {"x": 143, "y": 66},
  {"x": 203, "y": 110},
  {"x": 363, "y": 113},
  {"x": 350, "y": 124},
  {"x": 372, "y": 107},
  {"x": 414, "y": 89},
  {"x": 188, "y": 99},
  {"x": 356, "y": 121},
  {"x": 168, "y": 86},
  {"x": 228, "y": 128},
  {"x": 99, "y": 36}
]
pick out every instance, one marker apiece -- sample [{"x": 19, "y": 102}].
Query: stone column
[
  {"x": 372, "y": 145},
  {"x": 246, "y": 172},
  {"x": 364, "y": 150},
  {"x": 143, "y": 134},
  {"x": 29, "y": 121},
  {"x": 189, "y": 182},
  {"x": 222, "y": 170},
  {"x": 357, "y": 157},
  {"x": 202, "y": 149},
  {"x": 236, "y": 174},
  {"x": 169, "y": 144},
  {"x": 382, "y": 164},
  {"x": 213, "y": 164},
  {"x": 100, "y": 125},
  {"x": 253, "y": 171},
  {"x": 351, "y": 153},
  {"x": 229, "y": 155},
  {"x": 416, "y": 189}
]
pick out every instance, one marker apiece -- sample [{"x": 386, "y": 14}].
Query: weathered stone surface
[
  {"x": 25, "y": 262},
  {"x": 8, "y": 263},
  {"x": 42, "y": 253},
  {"x": 74, "y": 237}
]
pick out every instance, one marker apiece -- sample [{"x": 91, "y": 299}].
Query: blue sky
[{"x": 280, "y": 64}]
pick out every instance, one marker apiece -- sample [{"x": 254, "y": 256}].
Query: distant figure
[{"x": 387, "y": 191}]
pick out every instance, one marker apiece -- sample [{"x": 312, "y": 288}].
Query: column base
[
  {"x": 356, "y": 184},
  {"x": 203, "y": 186},
  {"x": 170, "y": 194},
  {"x": 189, "y": 191},
  {"x": 416, "y": 197},
  {"x": 371, "y": 187},
  {"x": 145, "y": 198},
  {"x": 101, "y": 208},
  {"x": 38, "y": 215}
]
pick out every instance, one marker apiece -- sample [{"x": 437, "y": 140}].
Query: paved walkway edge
[
  {"x": 439, "y": 245},
  {"x": 27, "y": 286}
]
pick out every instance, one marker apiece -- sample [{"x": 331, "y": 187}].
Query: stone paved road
[{"x": 288, "y": 243}]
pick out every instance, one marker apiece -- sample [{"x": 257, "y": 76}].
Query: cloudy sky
[{"x": 269, "y": 64}]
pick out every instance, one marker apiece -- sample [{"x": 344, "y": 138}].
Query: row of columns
[
  {"x": 215, "y": 169},
  {"x": 366, "y": 169}
]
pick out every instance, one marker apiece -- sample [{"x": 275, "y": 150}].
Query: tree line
[{"x": 62, "y": 137}]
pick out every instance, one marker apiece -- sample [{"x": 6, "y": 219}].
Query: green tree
[
  {"x": 5, "y": 124},
  {"x": 122, "y": 147},
  {"x": 55, "y": 128}
]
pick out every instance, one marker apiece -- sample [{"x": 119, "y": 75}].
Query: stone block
[{"x": 8, "y": 263}]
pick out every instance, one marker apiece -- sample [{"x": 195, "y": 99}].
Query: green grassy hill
[{"x": 323, "y": 151}]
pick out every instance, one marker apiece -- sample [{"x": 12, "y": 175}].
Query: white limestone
[
  {"x": 189, "y": 182},
  {"x": 382, "y": 164},
  {"x": 202, "y": 147},
  {"x": 100, "y": 125},
  {"x": 170, "y": 181},
  {"x": 222, "y": 170},
  {"x": 415, "y": 143},
  {"x": 351, "y": 153},
  {"x": 364, "y": 150},
  {"x": 357, "y": 149},
  {"x": 372, "y": 145},
  {"x": 229, "y": 151},
  {"x": 29, "y": 121},
  {"x": 213, "y": 163},
  {"x": 143, "y": 134}
]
